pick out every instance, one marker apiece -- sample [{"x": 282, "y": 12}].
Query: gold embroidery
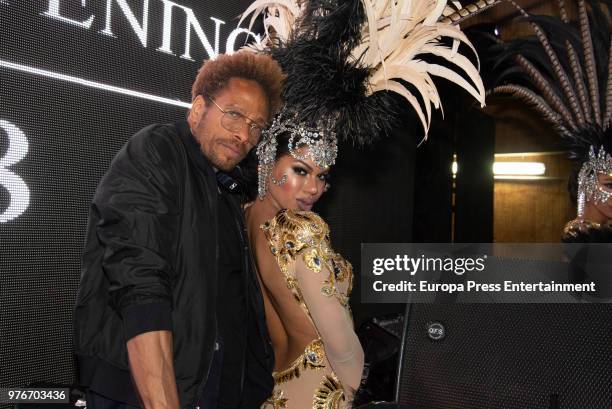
[
  {"x": 312, "y": 260},
  {"x": 312, "y": 358},
  {"x": 277, "y": 400},
  {"x": 577, "y": 226},
  {"x": 329, "y": 394},
  {"x": 292, "y": 233}
]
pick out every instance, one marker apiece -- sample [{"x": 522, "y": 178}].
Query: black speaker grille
[{"x": 508, "y": 356}]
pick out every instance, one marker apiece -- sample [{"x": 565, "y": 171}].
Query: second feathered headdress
[{"x": 565, "y": 73}]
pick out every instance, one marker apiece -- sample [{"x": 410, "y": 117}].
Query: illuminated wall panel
[{"x": 77, "y": 78}]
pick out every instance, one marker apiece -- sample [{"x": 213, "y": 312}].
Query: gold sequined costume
[{"x": 327, "y": 372}]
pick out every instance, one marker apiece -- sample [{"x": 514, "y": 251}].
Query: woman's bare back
[
  {"x": 305, "y": 286},
  {"x": 289, "y": 326}
]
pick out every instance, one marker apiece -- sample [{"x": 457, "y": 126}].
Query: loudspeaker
[{"x": 506, "y": 356}]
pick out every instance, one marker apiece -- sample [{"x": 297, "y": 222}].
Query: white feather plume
[
  {"x": 279, "y": 19},
  {"x": 395, "y": 34}
]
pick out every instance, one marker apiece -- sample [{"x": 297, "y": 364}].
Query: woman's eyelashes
[
  {"x": 605, "y": 182},
  {"x": 300, "y": 170},
  {"x": 303, "y": 172}
]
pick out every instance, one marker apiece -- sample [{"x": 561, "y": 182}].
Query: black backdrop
[{"x": 73, "y": 129}]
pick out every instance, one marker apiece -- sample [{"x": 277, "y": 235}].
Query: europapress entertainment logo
[{"x": 413, "y": 265}]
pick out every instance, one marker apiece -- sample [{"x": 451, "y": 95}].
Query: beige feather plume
[
  {"x": 279, "y": 19},
  {"x": 397, "y": 32},
  {"x": 394, "y": 36}
]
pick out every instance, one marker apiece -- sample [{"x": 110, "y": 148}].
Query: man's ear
[{"x": 198, "y": 108}]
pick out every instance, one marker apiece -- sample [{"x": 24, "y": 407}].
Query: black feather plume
[
  {"x": 323, "y": 81},
  {"x": 578, "y": 143},
  {"x": 502, "y": 66}
]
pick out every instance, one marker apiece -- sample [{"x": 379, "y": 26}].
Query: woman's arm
[{"x": 334, "y": 324}]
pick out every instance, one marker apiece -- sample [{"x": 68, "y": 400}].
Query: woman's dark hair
[{"x": 572, "y": 183}]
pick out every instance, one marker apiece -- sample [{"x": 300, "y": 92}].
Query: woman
[
  {"x": 593, "y": 224},
  {"x": 594, "y": 191},
  {"x": 341, "y": 83},
  {"x": 574, "y": 96},
  {"x": 601, "y": 211},
  {"x": 318, "y": 357}
]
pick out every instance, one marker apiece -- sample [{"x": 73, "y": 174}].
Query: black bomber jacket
[{"x": 150, "y": 263}]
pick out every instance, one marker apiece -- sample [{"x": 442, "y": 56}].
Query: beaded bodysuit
[{"x": 320, "y": 281}]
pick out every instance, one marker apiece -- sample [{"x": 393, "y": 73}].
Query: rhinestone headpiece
[
  {"x": 589, "y": 188},
  {"x": 321, "y": 142}
]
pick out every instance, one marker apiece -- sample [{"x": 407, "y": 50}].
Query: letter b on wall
[{"x": 19, "y": 194}]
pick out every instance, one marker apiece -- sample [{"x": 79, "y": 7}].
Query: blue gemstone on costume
[{"x": 336, "y": 270}]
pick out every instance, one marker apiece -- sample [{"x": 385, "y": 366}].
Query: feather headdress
[
  {"x": 349, "y": 57},
  {"x": 350, "y": 63},
  {"x": 565, "y": 73}
]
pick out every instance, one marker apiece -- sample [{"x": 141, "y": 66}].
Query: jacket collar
[{"x": 193, "y": 149}]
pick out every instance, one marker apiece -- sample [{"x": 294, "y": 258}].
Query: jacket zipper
[{"x": 216, "y": 344}]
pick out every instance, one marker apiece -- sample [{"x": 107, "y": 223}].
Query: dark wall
[
  {"x": 461, "y": 209},
  {"x": 475, "y": 147},
  {"x": 370, "y": 201},
  {"x": 398, "y": 192},
  {"x": 434, "y": 184}
]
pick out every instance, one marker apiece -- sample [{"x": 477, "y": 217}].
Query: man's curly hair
[{"x": 261, "y": 68}]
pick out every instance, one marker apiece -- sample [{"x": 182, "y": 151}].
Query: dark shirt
[{"x": 231, "y": 304}]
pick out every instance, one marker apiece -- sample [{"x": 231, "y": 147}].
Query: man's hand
[{"x": 151, "y": 363}]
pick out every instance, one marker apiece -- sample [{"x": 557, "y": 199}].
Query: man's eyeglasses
[{"x": 235, "y": 121}]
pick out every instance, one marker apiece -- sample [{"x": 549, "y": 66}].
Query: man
[{"x": 169, "y": 312}]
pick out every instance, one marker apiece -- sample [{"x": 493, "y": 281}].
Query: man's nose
[{"x": 242, "y": 134}]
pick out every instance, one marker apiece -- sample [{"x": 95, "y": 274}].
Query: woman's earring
[{"x": 280, "y": 181}]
